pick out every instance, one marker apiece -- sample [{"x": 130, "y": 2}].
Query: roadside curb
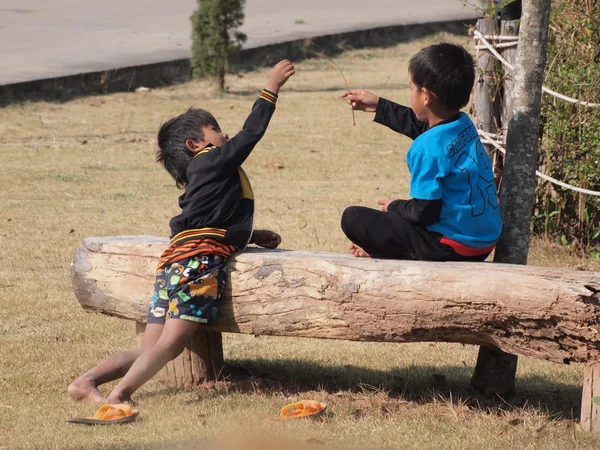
[{"x": 178, "y": 71}]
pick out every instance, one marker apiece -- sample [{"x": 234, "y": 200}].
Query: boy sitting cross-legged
[
  {"x": 453, "y": 214},
  {"x": 216, "y": 220}
]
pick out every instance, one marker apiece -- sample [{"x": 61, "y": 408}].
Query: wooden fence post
[
  {"x": 487, "y": 91},
  {"x": 507, "y": 28},
  {"x": 590, "y": 412}
]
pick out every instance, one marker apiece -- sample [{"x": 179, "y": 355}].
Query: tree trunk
[
  {"x": 221, "y": 78},
  {"x": 517, "y": 194},
  {"x": 523, "y": 134}
]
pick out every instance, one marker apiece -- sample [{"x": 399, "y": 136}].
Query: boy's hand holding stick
[{"x": 360, "y": 100}]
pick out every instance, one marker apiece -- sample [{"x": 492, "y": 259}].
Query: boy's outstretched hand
[
  {"x": 360, "y": 100},
  {"x": 266, "y": 238},
  {"x": 282, "y": 71}
]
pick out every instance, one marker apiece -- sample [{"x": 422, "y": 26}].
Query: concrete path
[{"x": 42, "y": 39}]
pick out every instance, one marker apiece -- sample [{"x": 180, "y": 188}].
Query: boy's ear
[
  {"x": 193, "y": 146},
  {"x": 428, "y": 96}
]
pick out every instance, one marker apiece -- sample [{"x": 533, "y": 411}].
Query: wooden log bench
[{"x": 550, "y": 314}]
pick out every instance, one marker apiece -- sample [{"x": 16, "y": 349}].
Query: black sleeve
[
  {"x": 401, "y": 119},
  {"x": 231, "y": 155},
  {"x": 419, "y": 212}
]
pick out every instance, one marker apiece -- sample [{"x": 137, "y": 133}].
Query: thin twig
[
  {"x": 321, "y": 55},
  {"x": 316, "y": 236}
]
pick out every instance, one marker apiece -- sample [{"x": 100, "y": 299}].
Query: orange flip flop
[
  {"x": 302, "y": 408},
  {"x": 109, "y": 415}
]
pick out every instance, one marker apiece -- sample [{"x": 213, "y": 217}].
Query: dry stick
[{"x": 321, "y": 55}]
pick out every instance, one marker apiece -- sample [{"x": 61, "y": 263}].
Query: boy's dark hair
[
  {"x": 172, "y": 152},
  {"x": 447, "y": 70}
]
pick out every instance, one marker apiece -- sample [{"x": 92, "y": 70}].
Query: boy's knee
[
  {"x": 170, "y": 347},
  {"x": 348, "y": 220}
]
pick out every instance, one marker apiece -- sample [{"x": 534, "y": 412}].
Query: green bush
[
  {"x": 216, "y": 43},
  {"x": 570, "y": 149}
]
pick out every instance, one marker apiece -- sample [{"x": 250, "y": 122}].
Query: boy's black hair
[
  {"x": 447, "y": 70},
  {"x": 172, "y": 152}
]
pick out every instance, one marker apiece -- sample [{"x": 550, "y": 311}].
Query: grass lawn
[{"x": 86, "y": 168}]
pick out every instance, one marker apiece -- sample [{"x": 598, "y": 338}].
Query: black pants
[{"x": 389, "y": 235}]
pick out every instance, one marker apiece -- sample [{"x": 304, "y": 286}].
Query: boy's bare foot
[
  {"x": 83, "y": 389},
  {"x": 355, "y": 250},
  {"x": 117, "y": 399},
  {"x": 266, "y": 238}
]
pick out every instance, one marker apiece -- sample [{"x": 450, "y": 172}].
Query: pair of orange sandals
[{"x": 123, "y": 413}]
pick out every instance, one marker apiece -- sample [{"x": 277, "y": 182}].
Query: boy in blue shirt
[{"x": 454, "y": 213}]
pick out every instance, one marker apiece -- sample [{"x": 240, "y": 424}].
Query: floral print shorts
[{"x": 189, "y": 289}]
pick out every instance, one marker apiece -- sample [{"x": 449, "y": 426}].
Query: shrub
[
  {"x": 570, "y": 149},
  {"x": 216, "y": 43}
]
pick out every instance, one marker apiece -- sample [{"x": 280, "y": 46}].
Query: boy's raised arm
[{"x": 233, "y": 153}]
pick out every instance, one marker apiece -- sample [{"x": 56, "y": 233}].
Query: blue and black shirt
[{"x": 452, "y": 183}]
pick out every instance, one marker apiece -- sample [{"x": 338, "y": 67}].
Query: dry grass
[{"x": 86, "y": 168}]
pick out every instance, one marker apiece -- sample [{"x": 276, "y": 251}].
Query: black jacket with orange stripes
[{"x": 218, "y": 202}]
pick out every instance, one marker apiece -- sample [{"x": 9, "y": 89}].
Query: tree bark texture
[
  {"x": 550, "y": 314},
  {"x": 522, "y": 139}
]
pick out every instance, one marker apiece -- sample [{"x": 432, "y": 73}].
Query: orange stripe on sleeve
[{"x": 271, "y": 98}]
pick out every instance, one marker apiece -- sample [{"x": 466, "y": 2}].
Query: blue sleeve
[{"x": 426, "y": 175}]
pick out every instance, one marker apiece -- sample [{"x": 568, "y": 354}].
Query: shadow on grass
[
  {"x": 416, "y": 383},
  {"x": 420, "y": 384}
]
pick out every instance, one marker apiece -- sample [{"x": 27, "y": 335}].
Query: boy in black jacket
[{"x": 216, "y": 220}]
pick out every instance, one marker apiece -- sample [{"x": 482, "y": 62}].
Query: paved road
[{"x": 50, "y": 38}]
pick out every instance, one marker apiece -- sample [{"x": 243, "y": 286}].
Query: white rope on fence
[
  {"x": 491, "y": 139},
  {"x": 500, "y": 37},
  {"x": 569, "y": 99},
  {"x": 492, "y": 50},
  {"x": 500, "y": 45}
]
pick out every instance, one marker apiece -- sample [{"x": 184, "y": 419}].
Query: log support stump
[
  {"x": 200, "y": 361},
  {"x": 494, "y": 373}
]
